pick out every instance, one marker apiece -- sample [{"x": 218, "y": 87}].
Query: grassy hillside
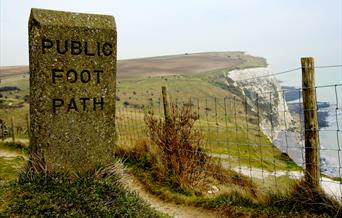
[
  {"x": 234, "y": 133},
  {"x": 229, "y": 126}
]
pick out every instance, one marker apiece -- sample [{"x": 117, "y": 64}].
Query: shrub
[
  {"x": 173, "y": 156},
  {"x": 27, "y": 98},
  {"x": 126, "y": 103},
  {"x": 182, "y": 161}
]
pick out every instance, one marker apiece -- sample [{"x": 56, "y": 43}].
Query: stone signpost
[{"x": 72, "y": 89}]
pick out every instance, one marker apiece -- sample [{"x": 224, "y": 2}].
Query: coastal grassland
[
  {"x": 172, "y": 165},
  {"x": 19, "y": 81},
  {"x": 15, "y": 105},
  {"x": 231, "y": 136},
  {"x": 18, "y": 112},
  {"x": 234, "y": 146},
  {"x": 229, "y": 126}
]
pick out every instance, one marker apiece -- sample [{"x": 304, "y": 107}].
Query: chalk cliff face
[{"x": 264, "y": 94}]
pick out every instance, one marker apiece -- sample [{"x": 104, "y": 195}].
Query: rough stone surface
[{"x": 72, "y": 89}]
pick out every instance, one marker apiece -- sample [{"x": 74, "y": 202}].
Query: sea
[{"x": 329, "y": 95}]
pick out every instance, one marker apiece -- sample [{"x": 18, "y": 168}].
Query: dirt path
[
  {"x": 8, "y": 154},
  {"x": 172, "y": 209},
  {"x": 18, "y": 140}
]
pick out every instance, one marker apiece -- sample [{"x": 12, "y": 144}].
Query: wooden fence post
[
  {"x": 12, "y": 129},
  {"x": 28, "y": 124},
  {"x": 166, "y": 104},
  {"x": 312, "y": 169},
  {"x": 2, "y": 124}
]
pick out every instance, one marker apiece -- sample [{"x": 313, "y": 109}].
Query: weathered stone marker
[{"x": 72, "y": 89}]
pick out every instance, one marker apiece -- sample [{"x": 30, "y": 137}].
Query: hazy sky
[{"x": 281, "y": 31}]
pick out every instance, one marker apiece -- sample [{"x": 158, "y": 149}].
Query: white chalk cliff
[{"x": 264, "y": 92}]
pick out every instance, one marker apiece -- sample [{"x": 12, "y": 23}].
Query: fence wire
[{"x": 256, "y": 130}]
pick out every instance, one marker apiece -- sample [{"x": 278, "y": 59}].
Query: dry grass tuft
[
  {"x": 182, "y": 160},
  {"x": 303, "y": 199},
  {"x": 36, "y": 165},
  {"x": 316, "y": 200}
]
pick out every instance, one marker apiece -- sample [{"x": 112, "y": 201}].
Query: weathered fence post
[
  {"x": 312, "y": 171},
  {"x": 12, "y": 130},
  {"x": 2, "y": 128},
  {"x": 166, "y": 103},
  {"x": 28, "y": 124}
]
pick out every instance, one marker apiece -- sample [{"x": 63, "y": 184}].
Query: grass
[
  {"x": 227, "y": 131},
  {"x": 247, "y": 147},
  {"x": 19, "y": 116},
  {"x": 227, "y": 125},
  {"x": 176, "y": 154},
  {"x": 15, "y": 147},
  {"x": 160, "y": 161},
  {"x": 246, "y": 198},
  {"x": 228, "y": 128},
  {"x": 236, "y": 201},
  {"x": 13, "y": 104},
  {"x": 10, "y": 167},
  {"x": 97, "y": 194},
  {"x": 21, "y": 82}
]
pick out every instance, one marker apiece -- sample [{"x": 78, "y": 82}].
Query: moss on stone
[{"x": 70, "y": 139}]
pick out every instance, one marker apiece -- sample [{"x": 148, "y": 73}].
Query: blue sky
[{"x": 281, "y": 31}]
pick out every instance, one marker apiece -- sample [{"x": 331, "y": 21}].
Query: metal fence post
[{"x": 312, "y": 170}]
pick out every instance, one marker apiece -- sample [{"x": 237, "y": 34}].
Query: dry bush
[
  {"x": 172, "y": 155},
  {"x": 179, "y": 146},
  {"x": 180, "y": 158}
]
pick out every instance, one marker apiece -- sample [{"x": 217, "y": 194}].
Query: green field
[
  {"x": 228, "y": 126},
  {"x": 224, "y": 123}
]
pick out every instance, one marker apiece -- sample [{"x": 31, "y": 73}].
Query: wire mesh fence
[{"x": 257, "y": 130}]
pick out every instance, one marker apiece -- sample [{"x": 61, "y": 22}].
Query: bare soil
[
  {"x": 158, "y": 66},
  {"x": 19, "y": 140},
  {"x": 175, "y": 65},
  {"x": 13, "y": 70},
  {"x": 8, "y": 154}
]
